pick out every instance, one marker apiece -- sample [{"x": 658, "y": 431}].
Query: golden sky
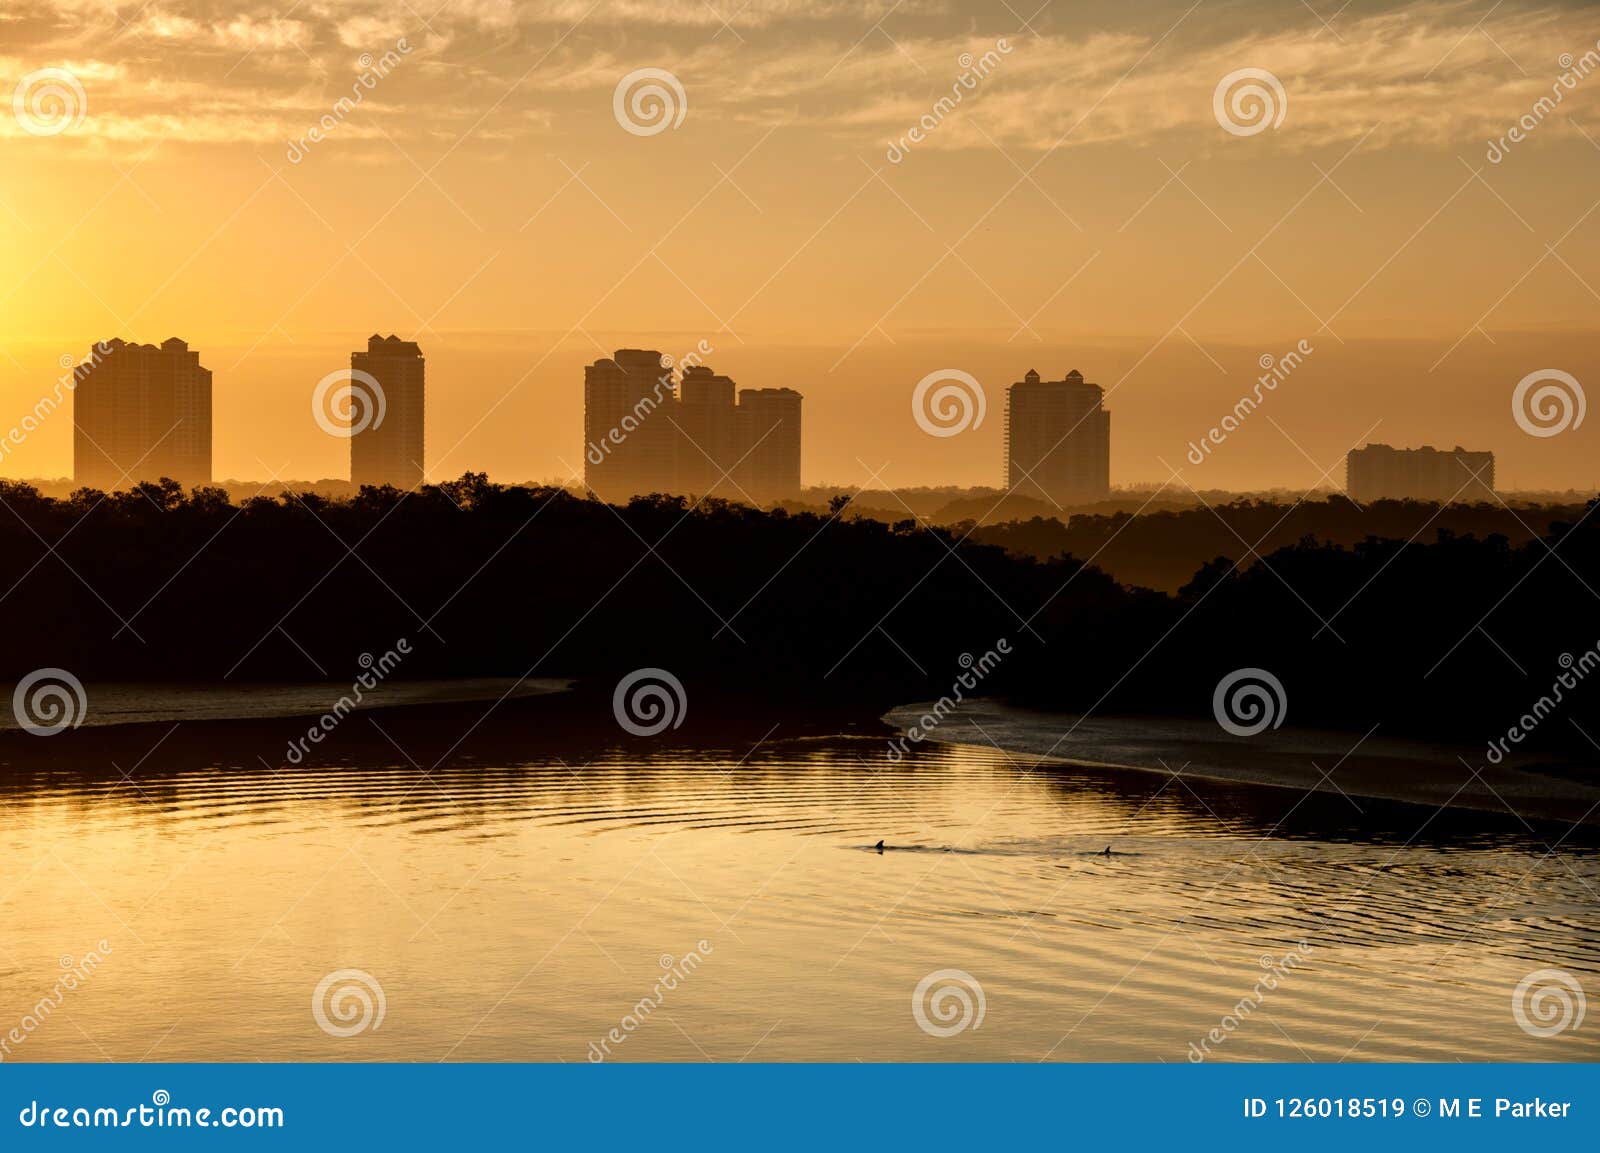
[{"x": 1082, "y": 206}]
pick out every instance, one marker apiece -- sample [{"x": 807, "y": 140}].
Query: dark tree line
[
  {"x": 1452, "y": 635},
  {"x": 1161, "y": 547}
]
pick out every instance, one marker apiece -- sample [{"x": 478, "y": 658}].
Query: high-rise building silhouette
[
  {"x": 707, "y": 419},
  {"x": 768, "y": 443},
  {"x": 141, "y": 413},
  {"x": 1058, "y": 440},
  {"x": 390, "y": 450},
  {"x": 630, "y": 443},
  {"x": 644, "y": 434},
  {"x": 1382, "y": 472}
]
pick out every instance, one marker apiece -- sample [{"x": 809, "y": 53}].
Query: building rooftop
[
  {"x": 391, "y": 345},
  {"x": 1376, "y": 447},
  {"x": 171, "y": 344},
  {"x": 1073, "y": 379}
]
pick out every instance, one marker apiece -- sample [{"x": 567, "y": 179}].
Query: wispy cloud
[{"x": 1428, "y": 74}]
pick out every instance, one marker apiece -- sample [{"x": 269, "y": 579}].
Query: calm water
[{"x": 520, "y": 911}]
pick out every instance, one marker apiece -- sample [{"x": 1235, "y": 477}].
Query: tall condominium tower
[
  {"x": 1381, "y": 472},
  {"x": 708, "y": 433},
  {"x": 1058, "y": 440},
  {"x": 390, "y": 450},
  {"x": 141, "y": 413},
  {"x": 630, "y": 444},
  {"x": 768, "y": 443}
]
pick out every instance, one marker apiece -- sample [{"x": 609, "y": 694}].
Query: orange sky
[{"x": 1082, "y": 207}]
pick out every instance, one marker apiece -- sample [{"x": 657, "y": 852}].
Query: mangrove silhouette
[{"x": 1454, "y": 636}]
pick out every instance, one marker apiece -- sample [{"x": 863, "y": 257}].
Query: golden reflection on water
[{"x": 523, "y": 912}]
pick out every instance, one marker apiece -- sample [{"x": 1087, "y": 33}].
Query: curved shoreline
[
  {"x": 122, "y": 704},
  {"x": 1374, "y": 767}
]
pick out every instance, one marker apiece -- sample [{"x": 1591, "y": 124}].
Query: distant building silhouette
[
  {"x": 702, "y": 437},
  {"x": 1381, "y": 472},
  {"x": 708, "y": 422},
  {"x": 142, "y": 413},
  {"x": 768, "y": 443},
  {"x": 630, "y": 442},
  {"x": 390, "y": 451},
  {"x": 1058, "y": 440}
]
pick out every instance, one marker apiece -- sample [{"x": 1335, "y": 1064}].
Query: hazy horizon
[
  {"x": 1083, "y": 206},
  {"x": 859, "y": 418}
]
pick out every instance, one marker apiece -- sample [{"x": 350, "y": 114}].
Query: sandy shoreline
[
  {"x": 120, "y": 704},
  {"x": 1376, "y": 767}
]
